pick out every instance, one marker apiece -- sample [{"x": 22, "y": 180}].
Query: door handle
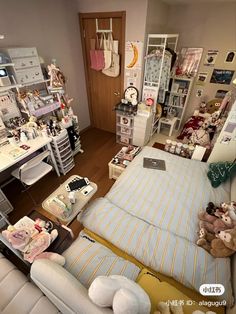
[{"x": 117, "y": 93}]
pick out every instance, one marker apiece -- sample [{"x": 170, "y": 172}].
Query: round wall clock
[{"x": 131, "y": 93}]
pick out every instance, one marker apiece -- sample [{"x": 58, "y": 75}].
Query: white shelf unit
[
  {"x": 62, "y": 152},
  {"x": 161, "y": 41},
  {"x": 178, "y": 100},
  {"x": 5, "y": 207}
]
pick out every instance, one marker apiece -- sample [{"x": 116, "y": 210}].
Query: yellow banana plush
[{"x": 135, "y": 57}]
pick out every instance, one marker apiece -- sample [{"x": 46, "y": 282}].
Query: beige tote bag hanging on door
[
  {"x": 114, "y": 69},
  {"x": 106, "y": 50}
]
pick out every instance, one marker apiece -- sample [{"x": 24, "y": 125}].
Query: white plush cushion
[
  {"x": 87, "y": 259},
  {"x": 18, "y": 295},
  {"x": 125, "y": 296},
  {"x": 126, "y": 302}
]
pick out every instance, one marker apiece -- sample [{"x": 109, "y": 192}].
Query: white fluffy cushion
[
  {"x": 102, "y": 291},
  {"x": 123, "y": 294},
  {"x": 125, "y": 302}
]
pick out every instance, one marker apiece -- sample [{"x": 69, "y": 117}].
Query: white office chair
[{"x": 32, "y": 171}]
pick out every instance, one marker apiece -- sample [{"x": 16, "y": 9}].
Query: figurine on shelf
[{"x": 57, "y": 79}]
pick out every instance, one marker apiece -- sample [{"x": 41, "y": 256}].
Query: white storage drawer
[
  {"x": 5, "y": 207},
  {"x": 21, "y": 63},
  {"x": 22, "y": 52},
  {"x": 2, "y": 196},
  {"x": 29, "y": 75}
]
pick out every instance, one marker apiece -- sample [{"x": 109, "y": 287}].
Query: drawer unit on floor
[
  {"x": 5, "y": 207},
  {"x": 142, "y": 130},
  {"x": 62, "y": 152},
  {"x": 124, "y": 128}
]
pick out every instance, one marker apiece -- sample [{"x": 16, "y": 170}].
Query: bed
[{"x": 152, "y": 216}]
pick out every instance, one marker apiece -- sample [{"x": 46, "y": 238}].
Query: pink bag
[{"x": 96, "y": 56}]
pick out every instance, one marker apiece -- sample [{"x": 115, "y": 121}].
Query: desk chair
[{"x": 32, "y": 171}]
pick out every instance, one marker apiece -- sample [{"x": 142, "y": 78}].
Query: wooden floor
[{"x": 99, "y": 148}]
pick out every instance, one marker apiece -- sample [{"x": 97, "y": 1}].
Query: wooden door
[{"x": 103, "y": 92}]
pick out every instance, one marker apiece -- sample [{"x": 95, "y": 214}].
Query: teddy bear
[
  {"x": 225, "y": 244},
  {"x": 122, "y": 294},
  {"x": 211, "y": 208},
  {"x": 230, "y": 223},
  {"x": 205, "y": 238},
  {"x": 211, "y": 223},
  {"x": 165, "y": 308},
  {"x": 230, "y": 208}
]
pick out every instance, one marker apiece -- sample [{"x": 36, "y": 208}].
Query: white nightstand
[{"x": 170, "y": 122}]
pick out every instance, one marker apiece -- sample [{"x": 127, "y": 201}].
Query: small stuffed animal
[
  {"x": 231, "y": 208},
  {"x": 225, "y": 245},
  {"x": 211, "y": 208},
  {"x": 164, "y": 308},
  {"x": 210, "y": 223},
  {"x": 228, "y": 221},
  {"x": 122, "y": 294},
  {"x": 205, "y": 239},
  {"x": 203, "y": 234}
]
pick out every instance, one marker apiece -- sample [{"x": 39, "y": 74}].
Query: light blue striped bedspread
[{"x": 152, "y": 215}]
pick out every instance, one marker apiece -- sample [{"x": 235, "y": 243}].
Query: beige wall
[
  {"x": 52, "y": 27},
  {"x": 210, "y": 26},
  {"x": 135, "y": 13},
  {"x": 157, "y": 16}
]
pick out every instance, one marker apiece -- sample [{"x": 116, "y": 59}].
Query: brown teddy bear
[
  {"x": 211, "y": 223},
  {"x": 225, "y": 245},
  {"x": 164, "y": 308},
  {"x": 230, "y": 223},
  {"x": 205, "y": 238}
]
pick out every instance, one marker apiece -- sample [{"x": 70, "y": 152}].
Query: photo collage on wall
[{"x": 216, "y": 75}]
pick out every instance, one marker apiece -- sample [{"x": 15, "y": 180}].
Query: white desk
[{"x": 35, "y": 144}]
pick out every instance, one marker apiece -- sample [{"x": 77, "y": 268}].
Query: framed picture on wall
[
  {"x": 201, "y": 78},
  {"x": 222, "y": 76},
  {"x": 189, "y": 61},
  {"x": 230, "y": 56},
  {"x": 210, "y": 58}
]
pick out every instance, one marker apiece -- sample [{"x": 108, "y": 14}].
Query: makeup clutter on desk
[{"x": 33, "y": 100}]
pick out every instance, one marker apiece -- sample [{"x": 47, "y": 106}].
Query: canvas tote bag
[
  {"x": 114, "y": 69},
  {"x": 107, "y": 52},
  {"x": 96, "y": 55},
  {"x": 109, "y": 41}
]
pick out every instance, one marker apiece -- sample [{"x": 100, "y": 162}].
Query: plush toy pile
[
  {"x": 217, "y": 233},
  {"x": 165, "y": 308},
  {"x": 32, "y": 238}
]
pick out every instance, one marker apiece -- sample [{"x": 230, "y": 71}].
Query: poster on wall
[
  {"x": 230, "y": 56},
  {"x": 189, "y": 61},
  {"x": 210, "y": 58},
  {"x": 222, "y": 76},
  {"x": 133, "y": 55},
  {"x": 201, "y": 78},
  {"x": 221, "y": 93},
  {"x": 133, "y": 63}
]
